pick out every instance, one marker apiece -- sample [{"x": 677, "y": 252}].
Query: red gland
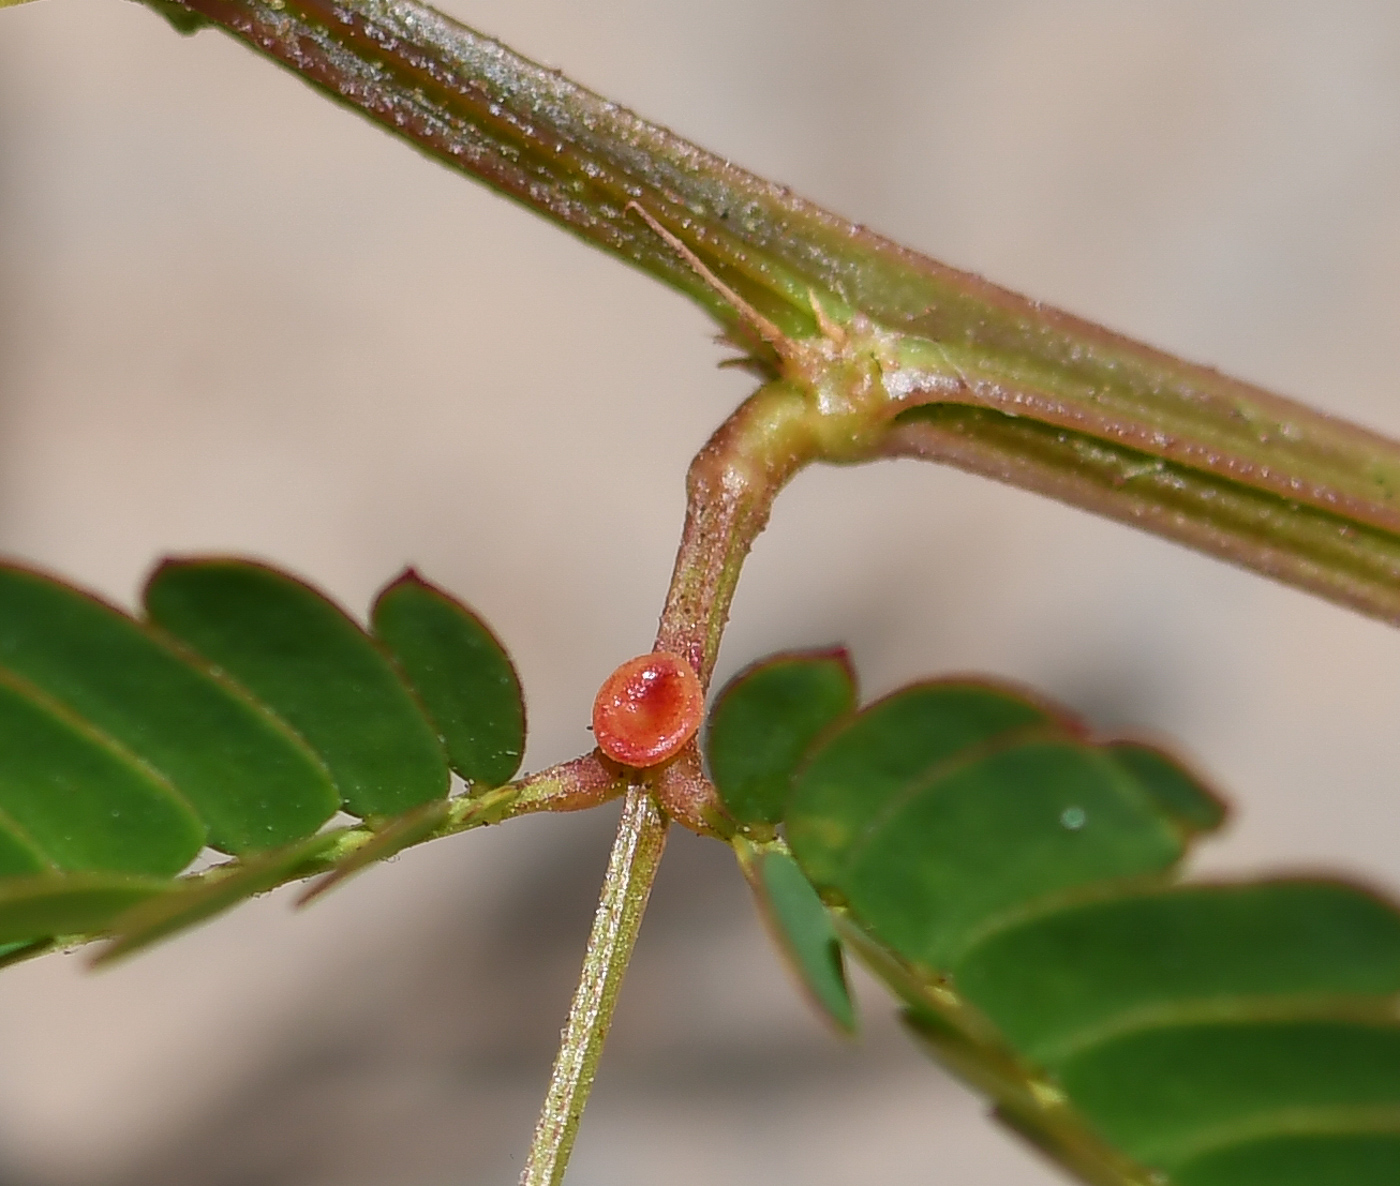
[{"x": 648, "y": 709}]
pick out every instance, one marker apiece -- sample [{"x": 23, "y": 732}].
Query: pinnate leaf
[
  {"x": 1017, "y": 884},
  {"x": 243, "y": 714}
]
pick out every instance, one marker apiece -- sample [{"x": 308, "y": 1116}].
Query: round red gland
[{"x": 648, "y": 709}]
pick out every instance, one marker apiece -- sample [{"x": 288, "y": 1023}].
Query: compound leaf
[
  {"x": 1016, "y": 883},
  {"x": 242, "y": 716}
]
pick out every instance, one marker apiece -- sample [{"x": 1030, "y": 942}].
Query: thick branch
[
  {"x": 1350, "y": 563},
  {"x": 582, "y": 161}
]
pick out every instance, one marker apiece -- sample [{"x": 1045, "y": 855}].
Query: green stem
[
  {"x": 1328, "y": 554},
  {"x": 636, "y": 854},
  {"x": 729, "y": 491},
  {"x": 730, "y": 488}
]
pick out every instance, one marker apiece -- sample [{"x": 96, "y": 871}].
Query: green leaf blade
[
  {"x": 1301, "y": 1159},
  {"x": 316, "y": 669},
  {"x": 1010, "y": 880},
  {"x": 19, "y": 855},
  {"x": 947, "y": 804},
  {"x": 763, "y": 722},
  {"x": 197, "y": 901},
  {"x": 254, "y": 782},
  {"x": 863, "y": 767},
  {"x": 461, "y": 673},
  {"x": 1179, "y": 794},
  {"x": 70, "y": 904},
  {"x": 81, "y": 801},
  {"x": 1048, "y": 979},
  {"x": 985, "y": 839},
  {"x": 1013, "y": 882},
  {"x": 802, "y": 929},
  {"x": 1162, "y": 1093}
]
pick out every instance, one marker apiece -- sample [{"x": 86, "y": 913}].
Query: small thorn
[
  {"x": 765, "y": 329},
  {"x": 830, "y": 329}
]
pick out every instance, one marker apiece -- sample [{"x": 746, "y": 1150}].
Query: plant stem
[
  {"x": 636, "y": 854},
  {"x": 1328, "y": 554},
  {"x": 586, "y": 163},
  {"x": 729, "y": 493}
]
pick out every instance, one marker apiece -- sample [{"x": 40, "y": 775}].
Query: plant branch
[
  {"x": 1328, "y": 554},
  {"x": 636, "y": 854},
  {"x": 583, "y": 161},
  {"x": 730, "y": 489}
]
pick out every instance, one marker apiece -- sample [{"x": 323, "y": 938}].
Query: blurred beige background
[{"x": 236, "y": 318}]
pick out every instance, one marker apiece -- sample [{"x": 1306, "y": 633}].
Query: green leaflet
[
  {"x": 1014, "y": 883},
  {"x": 77, "y": 802},
  {"x": 75, "y": 904},
  {"x": 893, "y": 741},
  {"x": 974, "y": 840},
  {"x": 461, "y": 673},
  {"x": 1303, "y": 1159},
  {"x": 1108, "y": 961},
  {"x": 159, "y": 918},
  {"x": 763, "y": 722},
  {"x": 1167, "y": 1092},
  {"x": 1178, "y": 794},
  {"x": 124, "y": 750},
  {"x": 944, "y": 805},
  {"x": 306, "y": 660},
  {"x": 181, "y": 19},
  {"x": 802, "y": 928}
]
